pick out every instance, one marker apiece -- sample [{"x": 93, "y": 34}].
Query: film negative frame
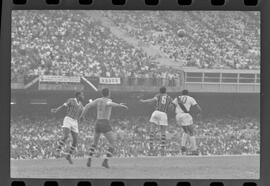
[{"x": 5, "y": 90}]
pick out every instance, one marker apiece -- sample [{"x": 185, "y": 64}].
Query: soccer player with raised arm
[
  {"x": 104, "y": 107},
  {"x": 183, "y": 103},
  {"x": 70, "y": 124},
  {"x": 159, "y": 117}
]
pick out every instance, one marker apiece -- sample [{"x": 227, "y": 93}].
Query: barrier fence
[{"x": 195, "y": 80}]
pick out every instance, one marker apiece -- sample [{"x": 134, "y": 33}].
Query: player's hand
[
  {"x": 141, "y": 100},
  {"x": 53, "y": 110},
  {"x": 123, "y": 105}
]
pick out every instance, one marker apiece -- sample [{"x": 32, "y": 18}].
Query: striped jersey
[
  {"x": 184, "y": 103},
  {"x": 74, "y": 108},
  {"x": 162, "y": 102}
]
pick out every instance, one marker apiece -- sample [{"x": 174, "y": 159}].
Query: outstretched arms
[
  {"x": 148, "y": 100},
  {"x": 113, "y": 104},
  {"x": 55, "y": 110}
]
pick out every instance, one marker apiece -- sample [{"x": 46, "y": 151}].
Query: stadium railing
[{"x": 196, "y": 80}]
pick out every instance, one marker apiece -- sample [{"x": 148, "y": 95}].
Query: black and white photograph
[{"x": 117, "y": 94}]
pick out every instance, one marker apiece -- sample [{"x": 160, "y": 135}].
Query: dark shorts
[{"x": 103, "y": 126}]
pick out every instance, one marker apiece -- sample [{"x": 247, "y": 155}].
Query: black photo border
[{"x": 5, "y": 87}]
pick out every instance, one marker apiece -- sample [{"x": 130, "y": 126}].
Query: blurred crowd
[
  {"x": 36, "y": 138},
  {"x": 211, "y": 39},
  {"x": 69, "y": 43},
  {"x": 76, "y": 43}
]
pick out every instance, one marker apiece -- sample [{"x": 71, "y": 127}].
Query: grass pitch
[{"x": 183, "y": 167}]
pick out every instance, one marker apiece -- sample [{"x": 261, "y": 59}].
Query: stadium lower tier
[{"x": 37, "y": 138}]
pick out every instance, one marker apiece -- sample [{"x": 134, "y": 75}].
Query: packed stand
[
  {"x": 36, "y": 138},
  {"x": 76, "y": 43},
  {"x": 211, "y": 39},
  {"x": 68, "y": 43}
]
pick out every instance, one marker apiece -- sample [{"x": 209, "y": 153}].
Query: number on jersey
[
  {"x": 183, "y": 99},
  {"x": 163, "y": 100}
]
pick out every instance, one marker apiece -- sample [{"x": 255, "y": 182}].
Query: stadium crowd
[
  {"x": 35, "y": 138},
  {"x": 65, "y": 43},
  {"x": 74, "y": 43},
  {"x": 211, "y": 40}
]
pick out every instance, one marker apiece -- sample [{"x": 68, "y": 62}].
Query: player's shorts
[
  {"x": 159, "y": 118},
  {"x": 71, "y": 124},
  {"x": 184, "y": 119},
  {"x": 103, "y": 126}
]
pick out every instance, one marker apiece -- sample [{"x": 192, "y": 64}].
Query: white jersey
[{"x": 186, "y": 101}]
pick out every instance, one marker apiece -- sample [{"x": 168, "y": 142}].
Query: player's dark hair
[
  {"x": 105, "y": 92},
  {"x": 77, "y": 94},
  {"x": 185, "y": 92},
  {"x": 162, "y": 90}
]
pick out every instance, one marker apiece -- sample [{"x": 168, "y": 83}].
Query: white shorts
[
  {"x": 71, "y": 124},
  {"x": 159, "y": 118},
  {"x": 184, "y": 119}
]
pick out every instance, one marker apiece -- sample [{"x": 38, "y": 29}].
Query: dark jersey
[
  {"x": 163, "y": 102},
  {"x": 74, "y": 108}
]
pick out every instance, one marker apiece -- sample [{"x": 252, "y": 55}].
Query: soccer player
[
  {"x": 104, "y": 107},
  {"x": 70, "y": 124},
  {"x": 159, "y": 117},
  {"x": 183, "y": 104}
]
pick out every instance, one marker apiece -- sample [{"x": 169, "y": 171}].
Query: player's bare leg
[
  {"x": 151, "y": 139},
  {"x": 110, "y": 137},
  {"x": 73, "y": 146},
  {"x": 194, "y": 149},
  {"x": 62, "y": 142},
  {"x": 184, "y": 140},
  {"x": 93, "y": 149},
  {"x": 163, "y": 140}
]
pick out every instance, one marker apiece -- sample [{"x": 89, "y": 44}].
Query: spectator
[
  {"x": 36, "y": 138},
  {"x": 74, "y": 43}
]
